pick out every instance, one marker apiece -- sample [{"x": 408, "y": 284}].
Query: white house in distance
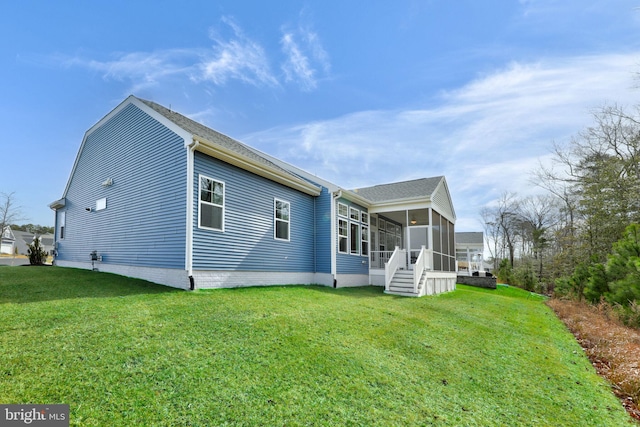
[
  {"x": 155, "y": 195},
  {"x": 470, "y": 252}
]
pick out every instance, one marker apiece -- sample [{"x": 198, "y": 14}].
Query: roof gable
[
  {"x": 221, "y": 146},
  {"x": 417, "y": 188}
]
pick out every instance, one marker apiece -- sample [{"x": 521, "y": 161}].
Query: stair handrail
[
  {"x": 419, "y": 267},
  {"x": 391, "y": 266}
]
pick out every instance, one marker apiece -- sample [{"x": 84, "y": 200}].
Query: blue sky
[{"x": 357, "y": 92}]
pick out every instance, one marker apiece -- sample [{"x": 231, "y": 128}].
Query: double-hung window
[
  {"x": 211, "y": 204},
  {"x": 343, "y": 236},
  {"x": 365, "y": 240},
  {"x": 343, "y": 209},
  {"x": 281, "y": 219},
  {"x": 355, "y": 238}
]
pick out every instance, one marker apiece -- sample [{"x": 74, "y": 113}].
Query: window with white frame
[
  {"x": 354, "y": 233},
  {"x": 354, "y": 214},
  {"x": 343, "y": 235},
  {"x": 62, "y": 217},
  {"x": 343, "y": 209},
  {"x": 365, "y": 241},
  {"x": 364, "y": 217},
  {"x": 281, "y": 219},
  {"x": 211, "y": 204}
]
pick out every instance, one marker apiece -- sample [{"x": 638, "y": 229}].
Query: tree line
[{"x": 580, "y": 236}]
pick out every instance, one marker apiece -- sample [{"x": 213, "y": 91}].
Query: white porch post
[{"x": 407, "y": 243}]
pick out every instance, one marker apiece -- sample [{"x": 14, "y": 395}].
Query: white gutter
[{"x": 243, "y": 162}]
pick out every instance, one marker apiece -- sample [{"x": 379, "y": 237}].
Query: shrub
[
  {"x": 597, "y": 283},
  {"x": 524, "y": 277},
  {"x": 505, "y": 272},
  {"x": 37, "y": 255}
]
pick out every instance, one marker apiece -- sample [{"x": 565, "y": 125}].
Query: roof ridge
[{"x": 214, "y": 136}]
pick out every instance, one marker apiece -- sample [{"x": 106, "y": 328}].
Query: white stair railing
[
  {"x": 419, "y": 267},
  {"x": 398, "y": 259}
]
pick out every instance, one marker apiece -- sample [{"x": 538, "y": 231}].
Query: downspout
[
  {"x": 55, "y": 237},
  {"x": 315, "y": 238},
  {"x": 189, "y": 212},
  {"x": 334, "y": 242}
]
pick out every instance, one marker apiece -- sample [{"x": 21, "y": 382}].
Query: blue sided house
[{"x": 158, "y": 196}]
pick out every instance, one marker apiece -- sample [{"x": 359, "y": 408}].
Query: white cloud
[
  {"x": 143, "y": 69},
  {"x": 237, "y": 58},
  {"x": 304, "y": 56},
  {"x": 485, "y": 137}
]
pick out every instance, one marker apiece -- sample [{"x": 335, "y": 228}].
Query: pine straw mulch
[{"x": 614, "y": 349}]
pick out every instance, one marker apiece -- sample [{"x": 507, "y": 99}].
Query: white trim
[
  {"x": 364, "y": 217},
  {"x": 362, "y": 236},
  {"x": 276, "y": 219},
  {"x": 186, "y": 136},
  {"x": 224, "y": 197},
  {"x": 280, "y": 176},
  {"x": 334, "y": 235},
  {"x": 354, "y": 212},
  {"x": 355, "y": 198},
  {"x": 351, "y": 239},
  {"x": 62, "y": 226},
  {"x": 189, "y": 211},
  {"x": 348, "y": 248}
]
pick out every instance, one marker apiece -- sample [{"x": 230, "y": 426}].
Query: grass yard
[{"x": 126, "y": 352}]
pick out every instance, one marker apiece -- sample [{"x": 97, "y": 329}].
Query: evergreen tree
[{"x": 37, "y": 255}]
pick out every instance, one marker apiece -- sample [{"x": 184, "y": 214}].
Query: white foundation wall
[
  {"x": 351, "y": 280},
  {"x": 376, "y": 277},
  {"x": 237, "y": 279},
  {"x": 439, "y": 282},
  {"x": 163, "y": 276}
]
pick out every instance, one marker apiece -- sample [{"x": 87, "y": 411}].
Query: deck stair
[{"x": 402, "y": 283}]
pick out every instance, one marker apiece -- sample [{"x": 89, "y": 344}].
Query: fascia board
[
  {"x": 355, "y": 198},
  {"x": 443, "y": 183},
  {"x": 148, "y": 110},
  {"x": 60, "y": 203},
  {"x": 185, "y": 135},
  {"x": 215, "y": 150},
  {"x": 401, "y": 204}
]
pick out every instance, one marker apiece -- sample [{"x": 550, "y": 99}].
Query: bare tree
[
  {"x": 10, "y": 213},
  {"x": 503, "y": 225},
  {"x": 538, "y": 215}
]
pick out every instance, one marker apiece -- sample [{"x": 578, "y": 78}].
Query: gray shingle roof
[
  {"x": 470, "y": 237},
  {"x": 423, "y": 187},
  {"x": 211, "y": 135}
]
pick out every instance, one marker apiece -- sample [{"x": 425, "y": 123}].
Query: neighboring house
[
  {"x": 17, "y": 242},
  {"x": 470, "y": 252},
  {"x": 7, "y": 241},
  {"x": 25, "y": 238},
  {"x": 161, "y": 197}
]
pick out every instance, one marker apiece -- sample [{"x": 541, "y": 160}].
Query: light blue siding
[
  {"x": 348, "y": 263},
  {"x": 144, "y": 223},
  {"x": 247, "y": 243},
  {"x": 323, "y": 231}
]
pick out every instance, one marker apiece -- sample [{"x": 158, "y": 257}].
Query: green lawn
[{"x": 121, "y": 351}]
